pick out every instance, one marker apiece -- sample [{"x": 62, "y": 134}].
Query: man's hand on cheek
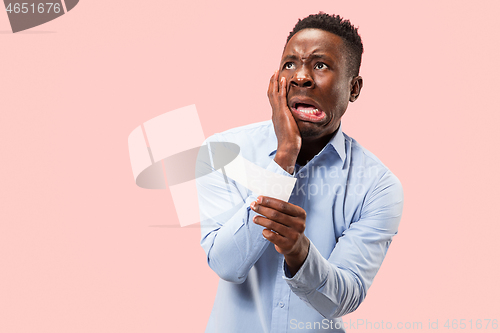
[
  {"x": 285, "y": 224},
  {"x": 285, "y": 126}
]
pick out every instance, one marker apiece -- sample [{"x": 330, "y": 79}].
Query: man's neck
[{"x": 311, "y": 148}]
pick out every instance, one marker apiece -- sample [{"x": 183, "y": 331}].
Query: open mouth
[
  {"x": 306, "y": 108},
  {"x": 307, "y": 112}
]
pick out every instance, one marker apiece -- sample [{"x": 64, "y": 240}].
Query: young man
[{"x": 300, "y": 265}]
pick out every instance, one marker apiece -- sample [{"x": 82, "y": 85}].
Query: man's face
[{"x": 318, "y": 81}]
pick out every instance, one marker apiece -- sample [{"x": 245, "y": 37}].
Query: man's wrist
[
  {"x": 286, "y": 159},
  {"x": 295, "y": 261}
]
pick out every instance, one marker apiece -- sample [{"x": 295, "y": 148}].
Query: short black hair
[{"x": 340, "y": 27}]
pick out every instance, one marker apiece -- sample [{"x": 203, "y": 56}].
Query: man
[{"x": 300, "y": 265}]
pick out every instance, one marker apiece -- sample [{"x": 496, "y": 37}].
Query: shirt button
[{"x": 281, "y": 304}]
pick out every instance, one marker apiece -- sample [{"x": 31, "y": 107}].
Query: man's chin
[{"x": 309, "y": 131}]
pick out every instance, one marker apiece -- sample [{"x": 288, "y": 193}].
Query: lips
[{"x": 306, "y": 109}]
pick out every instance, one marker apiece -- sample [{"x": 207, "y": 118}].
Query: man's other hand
[
  {"x": 285, "y": 224},
  {"x": 285, "y": 126}
]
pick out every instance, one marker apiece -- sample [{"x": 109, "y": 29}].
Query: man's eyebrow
[
  {"x": 290, "y": 57},
  {"x": 320, "y": 56},
  {"x": 311, "y": 56}
]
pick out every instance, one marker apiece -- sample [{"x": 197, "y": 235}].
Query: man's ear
[{"x": 356, "y": 85}]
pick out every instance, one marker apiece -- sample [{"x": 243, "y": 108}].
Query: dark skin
[{"x": 313, "y": 74}]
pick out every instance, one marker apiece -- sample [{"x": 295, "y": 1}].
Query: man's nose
[{"x": 301, "y": 78}]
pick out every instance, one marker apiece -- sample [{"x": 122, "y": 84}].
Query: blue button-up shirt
[{"x": 353, "y": 205}]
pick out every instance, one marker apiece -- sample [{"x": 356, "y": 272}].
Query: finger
[
  {"x": 295, "y": 224},
  {"x": 275, "y": 83},
  {"x": 282, "y": 94},
  {"x": 272, "y": 225},
  {"x": 281, "y": 206},
  {"x": 273, "y": 214},
  {"x": 282, "y": 88},
  {"x": 273, "y": 78},
  {"x": 282, "y": 244},
  {"x": 270, "y": 88}
]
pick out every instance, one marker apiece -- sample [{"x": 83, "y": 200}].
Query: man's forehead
[{"x": 315, "y": 43}]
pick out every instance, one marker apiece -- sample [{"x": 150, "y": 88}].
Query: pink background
[{"x": 83, "y": 249}]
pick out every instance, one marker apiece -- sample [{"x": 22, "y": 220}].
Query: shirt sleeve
[
  {"x": 229, "y": 237},
  {"x": 336, "y": 286}
]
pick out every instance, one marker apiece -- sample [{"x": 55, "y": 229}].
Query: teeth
[{"x": 309, "y": 111}]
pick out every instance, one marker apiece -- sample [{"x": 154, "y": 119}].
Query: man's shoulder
[
  {"x": 368, "y": 164},
  {"x": 361, "y": 155}
]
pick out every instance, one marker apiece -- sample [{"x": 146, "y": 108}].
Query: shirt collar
[{"x": 337, "y": 142}]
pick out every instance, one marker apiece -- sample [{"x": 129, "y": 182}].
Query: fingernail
[
  {"x": 252, "y": 205},
  {"x": 259, "y": 200}
]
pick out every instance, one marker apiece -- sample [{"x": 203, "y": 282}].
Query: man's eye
[
  {"x": 288, "y": 65},
  {"x": 320, "y": 65}
]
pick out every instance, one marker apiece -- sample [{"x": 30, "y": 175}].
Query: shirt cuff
[
  {"x": 311, "y": 275},
  {"x": 286, "y": 270},
  {"x": 276, "y": 168}
]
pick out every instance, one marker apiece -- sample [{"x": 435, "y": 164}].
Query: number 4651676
[{"x": 40, "y": 9}]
